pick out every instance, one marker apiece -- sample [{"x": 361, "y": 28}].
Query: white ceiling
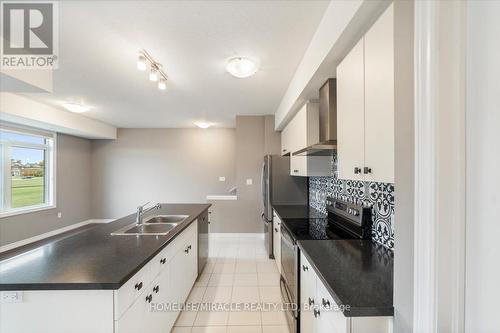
[{"x": 100, "y": 40}]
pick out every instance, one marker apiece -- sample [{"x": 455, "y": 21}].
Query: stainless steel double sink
[{"x": 156, "y": 225}]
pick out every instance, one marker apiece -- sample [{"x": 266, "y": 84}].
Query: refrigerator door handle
[{"x": 262, "y": 185}]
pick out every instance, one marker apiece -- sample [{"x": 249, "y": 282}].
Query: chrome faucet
[{"x": 141, "y": 211}]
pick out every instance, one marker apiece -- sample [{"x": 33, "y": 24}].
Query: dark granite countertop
[
  {"x": 88, "y": 258},
  {"x": 358, "y": 273},
  {"x": 297, "y": 212}
]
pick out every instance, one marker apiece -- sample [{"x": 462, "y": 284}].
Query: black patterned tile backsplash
[{"x": 379, "y": 196}]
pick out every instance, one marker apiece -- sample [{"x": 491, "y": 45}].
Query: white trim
[
  {"x": 23, "y": 210},
  {"x": 37, "y": 238},
  {"x": 222, "y": 197},
  {"x": 426, "y": 110},
  {"x": 49, "y": 148}
]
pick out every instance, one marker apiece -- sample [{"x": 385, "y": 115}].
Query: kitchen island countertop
[{"x": 89, "y": 258}]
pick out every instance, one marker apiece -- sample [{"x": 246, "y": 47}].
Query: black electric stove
[{"x": 344, "y": 221}]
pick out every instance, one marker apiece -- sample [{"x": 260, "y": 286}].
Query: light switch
[
  {"x": 59, "y": 215},
  {"x": 12, "y": 296},
  {"x": 222, "y": 179},
  {"x": 249, "y": 181}
]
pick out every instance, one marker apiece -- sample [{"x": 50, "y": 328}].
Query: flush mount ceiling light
[
  {"x": 156, "y": 73},
  {"x": 75, "y": 107},
  {"x": 241, "y": 67},
  {"x": 203, "y": 125}
]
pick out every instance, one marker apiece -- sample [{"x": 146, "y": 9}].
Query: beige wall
[
  {"x": 109, "y": 178},
  {"x": 250, "y": 140},
  {"x": 255, "y": 137},
  {"x": 160, "y": 165},
  {"x": 72, "y": 190}
]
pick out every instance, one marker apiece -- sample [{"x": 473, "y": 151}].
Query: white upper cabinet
[
  {"x": 379, "y": 100},
  {"x": 303, "y": 131},
  {"x": 365, "y": 91},
  {"x": 286, "y": 141},
  {"x": 350, "y": 114}
]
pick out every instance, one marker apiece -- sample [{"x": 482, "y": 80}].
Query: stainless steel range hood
[{"x": 327, "y": 122}]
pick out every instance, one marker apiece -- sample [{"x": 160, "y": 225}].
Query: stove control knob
[{"x": 355, "y": 212}]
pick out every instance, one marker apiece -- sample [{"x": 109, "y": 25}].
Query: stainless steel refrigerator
[{"x": 279, "y": 188}]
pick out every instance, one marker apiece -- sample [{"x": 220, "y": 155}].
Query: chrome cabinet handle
[
  {"x": 367, "y": 170},
  {"x": 149, "y": 298},
  {"x": 163, "y": 261},
  {"x": 296, "y": 171},
  {"x": 138, "y": 286},
  {"x": 156, "y": 289},
  {"x": 325, "y": 302},
  {"x": 316, "y": 313},
  {"x": 311, "y": 301},
  {"x": 357, "y": 170},
  {"x": 305, "y": 268}
]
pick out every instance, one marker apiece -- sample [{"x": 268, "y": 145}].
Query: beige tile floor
[{"x": 238, "y": 271}]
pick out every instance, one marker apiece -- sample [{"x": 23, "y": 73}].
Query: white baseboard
[
  {"x": 237, "y": 235},
  {"x": 37, "y": 238}
]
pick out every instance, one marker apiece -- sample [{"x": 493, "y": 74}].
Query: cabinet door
[
  {"x": 285, "y": 141},
  {"x": 350, "y": 114},
  {"x": 323, "y": 325},
  {"x": 164, "y": 296},
  {"x": 191, "y": 262},
  {"x": 177, "y": 280},
  {"x": 307, "y": 296},
  {"x": 135, "y": 319},
  {"x": 298, "y": 166},
  {"x": 331, "y": 314},
  {"x": 379, "y": 99}
]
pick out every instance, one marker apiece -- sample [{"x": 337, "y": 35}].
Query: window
[{"x": 27, "y": 178}]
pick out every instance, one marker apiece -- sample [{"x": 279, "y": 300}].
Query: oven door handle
[{"x": 286, "y": 297}]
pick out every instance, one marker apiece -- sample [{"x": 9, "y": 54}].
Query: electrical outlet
[
  {"x": 222, "y": 179},
  {"x": 11, "y": 297},
  {"x": 249, "y": 181},
  {"x": 59, "y": 215}
]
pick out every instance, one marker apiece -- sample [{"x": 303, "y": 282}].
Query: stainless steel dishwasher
[{"x": 203, "y": 242}]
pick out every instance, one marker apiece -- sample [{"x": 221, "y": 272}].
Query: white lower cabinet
[
  {"x": 164, "y": 281},
  {"x": 277, "y": 240},
  {"x": 165, "y": 285},
  {"x": 320, "y": 314}
]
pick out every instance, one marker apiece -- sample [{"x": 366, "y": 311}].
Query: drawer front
[
  {"x": 330, "y": 310},
  {"x": 161, "y": 260},
  {"x": 131, "y": 290}
]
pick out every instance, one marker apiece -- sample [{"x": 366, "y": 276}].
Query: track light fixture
[{"x": 156, "y": 73}]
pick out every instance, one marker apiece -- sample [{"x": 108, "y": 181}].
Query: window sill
[{"x": 21, "y": 211}]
